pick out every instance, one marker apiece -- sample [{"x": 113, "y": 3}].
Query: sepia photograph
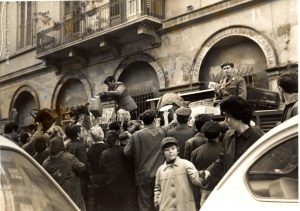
[{"x": 149, "y": 105}]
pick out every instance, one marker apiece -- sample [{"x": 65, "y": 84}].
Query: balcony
[{"x": 113, "y": 24}]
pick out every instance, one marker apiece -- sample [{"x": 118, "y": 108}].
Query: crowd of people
[{"x": 143, "y": 165}]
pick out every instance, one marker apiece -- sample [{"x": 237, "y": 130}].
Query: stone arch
[
  {"x": 80, "y": 77},
  {"x": 24, "y": 100},
  {"x": 20, "y": 90},
  {"x": 244, "y": 31},
  {"x": 145, "y": 58}
]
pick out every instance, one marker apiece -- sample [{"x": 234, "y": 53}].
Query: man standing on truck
[
  {"x": 288, "y": 86},
  {"x": 117, "y": 90},
  {"x": 231, "y": 85}
]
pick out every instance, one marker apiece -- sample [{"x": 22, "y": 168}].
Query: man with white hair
[
  {"x": 123, "y": 117},
  {"x": 97, "y": 146},
  {"x": 94, "y": 153}
]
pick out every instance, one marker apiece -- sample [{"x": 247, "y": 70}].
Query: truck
[{"x": 266, "y": 105}]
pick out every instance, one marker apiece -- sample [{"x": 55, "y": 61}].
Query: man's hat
[
  {"x": 168, "y": 140},
  {"x": 227, "y": 64},
  {"x": 183, "y": 111}
]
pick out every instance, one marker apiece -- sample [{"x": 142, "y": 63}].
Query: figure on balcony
[{"x": 117, "y": 91}]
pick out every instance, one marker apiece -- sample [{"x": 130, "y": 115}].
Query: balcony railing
[{"x": 96, "y": 20}]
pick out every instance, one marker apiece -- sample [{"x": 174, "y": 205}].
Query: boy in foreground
[{"x": 173, "y": 188}]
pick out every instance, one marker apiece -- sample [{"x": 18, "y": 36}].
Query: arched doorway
[
  {"x": 247, "y": 48},
  {"x": 250, "y": 61},
  {"x": 72, "y": 93},
  {"x": 141, "y": 81},
  {"x": 23, "y": 104}
]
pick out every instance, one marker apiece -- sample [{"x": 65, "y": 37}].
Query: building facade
[{"x": 57, "y": 54}]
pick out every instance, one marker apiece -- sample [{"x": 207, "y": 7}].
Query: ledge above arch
[{"x": 243, "y": 31}]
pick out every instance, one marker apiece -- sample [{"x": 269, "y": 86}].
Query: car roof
[{"x": 8, "y": 144}]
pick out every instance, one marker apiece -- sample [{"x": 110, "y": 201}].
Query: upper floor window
[
  {"x": 71, "y": 9},
  {"x": 26, "y": 29},
  {"x": 115, "y": 8}
]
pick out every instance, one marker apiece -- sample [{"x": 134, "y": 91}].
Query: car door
[{"x": 264, "y": 178}]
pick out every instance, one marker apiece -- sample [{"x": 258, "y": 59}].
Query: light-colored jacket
[{"x": 173, "y": 185}]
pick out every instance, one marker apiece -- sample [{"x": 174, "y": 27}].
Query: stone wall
[{"x": 275, "y": 21}]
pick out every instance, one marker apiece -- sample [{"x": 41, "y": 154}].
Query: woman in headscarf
[{"x": 65, "y": 168}]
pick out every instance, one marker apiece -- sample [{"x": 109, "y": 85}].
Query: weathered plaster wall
[
  {"x": 19, "y": 63},
  {"x": 44, "y": 84},
  {"x": 179, "y": 7},
  {"x": 275, "y": 20}
]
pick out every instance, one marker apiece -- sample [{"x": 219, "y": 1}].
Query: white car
[
  {"x": 25, "y": 185},
  {"x": 265, "y": 177}
]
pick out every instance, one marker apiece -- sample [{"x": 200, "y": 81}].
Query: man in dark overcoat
[
  {"x": 144, "y": 146},
  {"x": 182, "y": 132},
  {"x": 65, "y": 168}
]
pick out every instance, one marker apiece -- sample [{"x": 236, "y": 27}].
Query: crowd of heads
[
  {"x": 235, "y": 107},
  {"x": 120, "y": 131}
]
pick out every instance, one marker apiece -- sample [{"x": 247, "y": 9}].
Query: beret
[
  {"x": 227, "y": 64},
  {"x": 183, "y": 111}
]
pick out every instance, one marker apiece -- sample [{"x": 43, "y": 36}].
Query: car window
[
  {"x": 275, "y": 174},
  {"x": 24, "y": 187}
]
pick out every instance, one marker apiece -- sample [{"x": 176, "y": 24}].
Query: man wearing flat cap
[
  {"x": 231, "y": 85},
  {"x": 182, "y": 132}
]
